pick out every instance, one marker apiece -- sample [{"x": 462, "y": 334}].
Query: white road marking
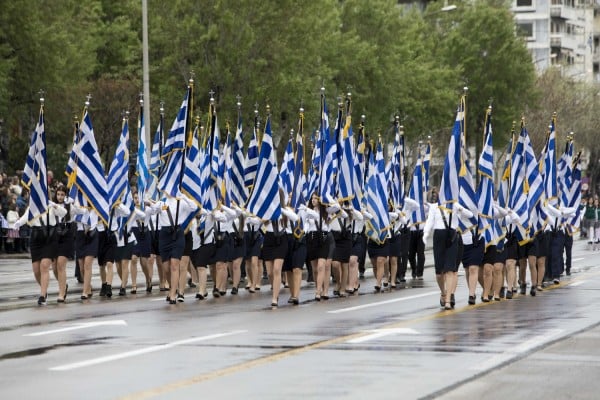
[
  {"x": 577, "y": 283},
  {"x": 82, "y": 325},
  {"x": 379, "y": 303},
  {"x": 378, "y": 333},
  {"x": 578, "y": 259},
  {"x": 138, "y": 352},
  {"x": 524, "y": 347}
]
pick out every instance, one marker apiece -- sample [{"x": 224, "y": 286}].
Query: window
[
  {"x": 524, "y": 3},
  {"x": 525, "y": 29}
]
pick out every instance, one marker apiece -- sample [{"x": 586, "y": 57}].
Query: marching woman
[
  {"x": 224, "y": 246},
  {"x": 379, "y": 253},
  {"x": 238, "y": 249},
  {"x": 86, "y": 244},
  {"x": 142, "y": 249},
  {"x": 319, "y": 245},
  {"x": 357, "y": 253},
  {"x": 125, "y": 244},
  {"x": 445, "y": 248},
  {"x": 555, "y": 225},
  {"x": 472, "y": 254},
  {"x": 342, "y": 236},
  {"x": 511, "y": 248},
  {"x": 253, "y": 240},
  {"x": 296, "y": 255},
  {"x": 172, "y": 211},
  {"x": 275, "y": 246},
  {"x": 399, "y": 241},
  {"x": 43, "y": 244},
  {"x": 65, "y": 249},
  {"x": 493, "y": 263},
  {"x": 204, "y": 246}
]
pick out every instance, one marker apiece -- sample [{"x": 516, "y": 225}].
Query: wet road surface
[{"x": 391, "y": 345}]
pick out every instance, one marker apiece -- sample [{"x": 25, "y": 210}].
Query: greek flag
[
  {"x": 534, "y": 185},
  {"x": 397, "y": 163},
  {"x": 449, "y": 191},
  {"x": 517, "y": 196},
  {"x": 155, "y": 163},
  {"x": 485, "y": 191},
  {"x": 224, "y": 164},
  {"x": 286, "y": 172},
  {"x": 314, "y": 172},
  {"x": 90, "y": 178},
  {"x": 565, "y": 173},
  {"x": 118, "y": 175},
  {"x": 239, "y": 193},
  {"x": 329, "y": 158},
  {"x": 426, "y": 163},
  {"x": 417, "y": 192},
  {"x": 504, "y": 189},
  {"x": 34, "y": 172},
  {"x": 173, "y": 153},
  {"x": 191, "y": 183},
  {"x": 346, "y": 163},
  {"x": 575, "y": 195},
  {"x": 377, "y": 198},
  {"x": 299, "y": 179},
  {"x": 358, "y": 175},
  {"x": 468, "y": 197},
  {"x": 252, "y": 157},
  {"x": 549, "y": 171},
  {"x": 210, "y": 167},
  {"x": 142, "y": 159},
  {"x": 264, "y": 200}
]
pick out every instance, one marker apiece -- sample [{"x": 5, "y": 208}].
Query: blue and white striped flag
[
  {"x": 346, "y": 166},
  {"x": 426, "y": 164},
  {"x": 417, "y": 192},
  {"x": 485, "y": 190},
  {"x": 239, "y": 193},
  {"x": 449, "y": 187},
  {"x": 142, "y": 171},
  {"x": 264, "y": 200},
  {"x": 358, "y": 177},
  {"x": 34, "y": 172},
  {"x": 118, "y": 175},
  {"x": 534, "y": 185},
  {"x": 191, "y": 183},
  {"x": 252, "y": 157},
  {"x": 327, "y": 177},
  {"x": 173, "y": 155},
  {"x": 286, "y": 173},
  {"x": 549, "y": 172},
  {"x": 155, "y": 163},
  {"x": 377, "y": 198},
  {"x": 468, "y": 196},
  {"x": 90, "y": 178},
  {"x": 299, "y": 195},
  {"x": 314, "y": 172}
]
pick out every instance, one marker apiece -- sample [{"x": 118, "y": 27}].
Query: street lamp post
[{"x": 146, "y": 74}]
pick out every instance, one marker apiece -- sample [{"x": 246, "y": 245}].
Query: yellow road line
[{"x": 292, "y": 352}]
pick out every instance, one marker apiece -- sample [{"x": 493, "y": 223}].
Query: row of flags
[
  {"x": 342, "y": 168},
  {"x": 527, "y": 184}
]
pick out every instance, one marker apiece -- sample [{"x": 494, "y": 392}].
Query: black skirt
[
  {"x": 143, "y": 247},
  {"x": 473, "y": 254},
  {"x": 253, "y": 243},
  {"x": 445, "y": 251},
  {"x": 378, "y": 250},
  {"x": 171, "y": 243},
  {"x": 223, "y": 245},
  {"x": 42, "y": 243},
  {"x": 343, "y": 246},
  {"x": 86, "y": 243},
  {"x": 317, "y": 245},
  {"x": 359, "y": 241},
  {"x": 66, "y": 241},
  {"x": 107, "y": 245},
  {"x": 274, "y": 246},
  {"x": 204, "y": 255}
]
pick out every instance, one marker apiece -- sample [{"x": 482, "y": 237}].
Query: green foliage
[{"x": 278, "y": 52}]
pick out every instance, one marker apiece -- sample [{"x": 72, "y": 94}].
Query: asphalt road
[{"x": 390, "y": 345}]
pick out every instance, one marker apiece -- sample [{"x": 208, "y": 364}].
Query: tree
[{"x": 480, "y": 42}]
